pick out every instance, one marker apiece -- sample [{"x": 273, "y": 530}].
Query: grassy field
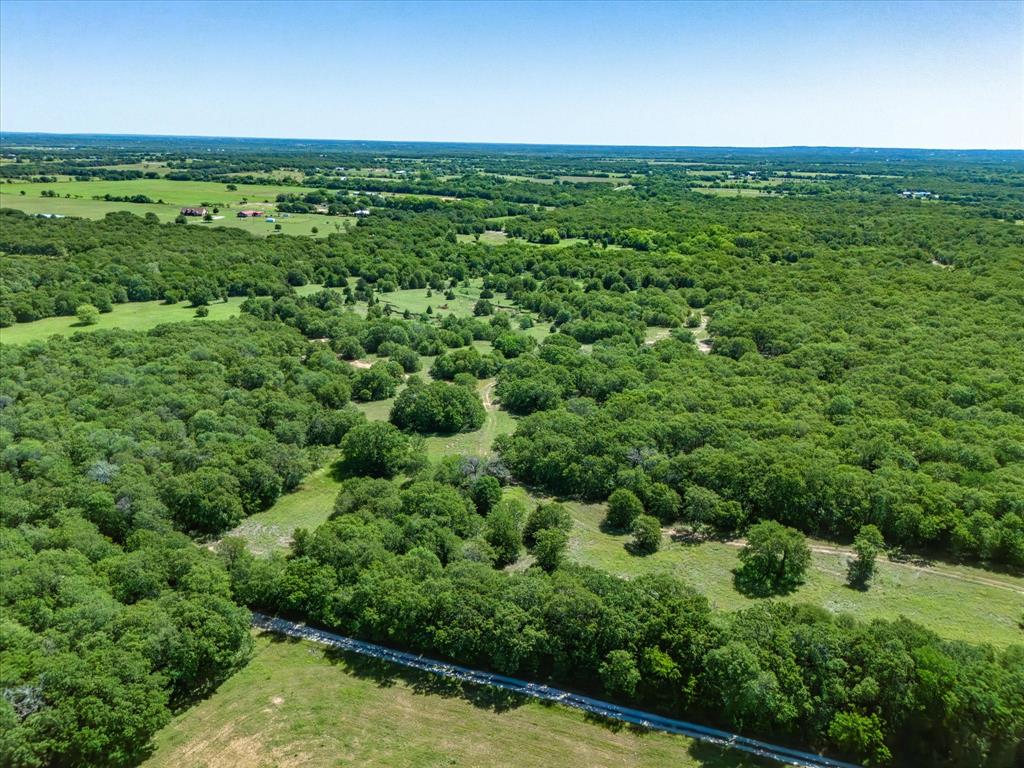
[
  {"x": 143, "y": 315},
  {"x": 133, "y": 316},
  {"x": 490, "y": 237},
  {"x": 296, "y": 704},
  {"x": 174, "y": 194},
  {"x": 307, "y": 506},
  {"x": 728, "y": 191},
  {"x": 171, "y": 192},
  {"x": 312, "y": 502},
  {"x": 958, "y": 602}
]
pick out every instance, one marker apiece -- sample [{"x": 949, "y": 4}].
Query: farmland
[{"x": 75, "y": 198}]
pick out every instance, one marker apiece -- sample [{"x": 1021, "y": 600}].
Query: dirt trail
[
  {"x": 360, "y": 363},
  {"x": 485, "y": 396},
  {"x": 703, "y": 343},
  {"x": 937, "y": 570}
]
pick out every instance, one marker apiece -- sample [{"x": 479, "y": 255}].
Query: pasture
[
  {"x": 133, "y": 316},
  {"x": 171, "y": 192},
  {"x": 298, "y": 704},
  {"x": 75, "y": 198},
  {"x": 957, "y": 602}
]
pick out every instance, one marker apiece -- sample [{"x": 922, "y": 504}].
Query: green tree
[
  {"x": 206, "y": 500},
  {"x": 623, "y": 508},
  {"x": 867, "y": 544},
  {"x": 87, "y": 314},
  {"x": 543, "y": 516},
  {"x": 646, "y": 531},
  {"x": 486, "y": 492},
  {"x": 549, "y": 236},
  {"x": 749, "y": 695},
  {"x": 774, "y": 559},
  {"x": 663, "y": 502},
  {"x": 619, "y": 674},
  {"x": 377, "y": 449},
  {"x": 501, "y": 531},
  {"x": 549, "y": 545},
  {"x": 860, "y": 735}
]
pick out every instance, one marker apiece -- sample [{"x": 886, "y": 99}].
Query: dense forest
[{"x": 825, "y": 353}]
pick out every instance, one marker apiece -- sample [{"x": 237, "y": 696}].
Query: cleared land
[
  {"x": 307, "y": 506},
  {"x": 955, "y": 601},
  {"x": 311, "y": 503},
  {"x": 143, "y": 315},
  {"x": 76, "y": 199},
  {"x": 297, "y": 705},
  {"x": 171, "y": 192},
  {"x": 490, "y": 237},
  {"x": 133, "y": 316}
]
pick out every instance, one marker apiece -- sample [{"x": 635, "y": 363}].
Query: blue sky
[{"x": 907, "y": 74}]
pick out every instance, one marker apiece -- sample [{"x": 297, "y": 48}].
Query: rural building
[
  {"x": 361, "y": 212},
  {"x": 249, "y": 214},
  {"x": 193, "y": 211}
]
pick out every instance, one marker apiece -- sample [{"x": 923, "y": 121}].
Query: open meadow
[
  {"x": 297, "y": 704},
  {"x": 75, "y": 198},
  {"x": 956, "y": 601}
]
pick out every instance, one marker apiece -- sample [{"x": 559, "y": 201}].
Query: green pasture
[
  {"x": 490, "y": 237},
  {"x": 86, "y": 208},
  {"x": 133, "y": 316},
  {"x": 958, "y": 602},
  {"x": 299, "y": 704},
  {"x": 179, "y": 193}
]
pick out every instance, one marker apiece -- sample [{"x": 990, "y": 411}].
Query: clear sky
[{"x": 886, "y": 74}]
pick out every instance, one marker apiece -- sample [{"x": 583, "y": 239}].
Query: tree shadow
[
  {"x": 754, "y": 585},
  {"x": 338, "y": 470},
  {"x": 611, "y": 530},
  {"x": 687, "y": 537},
  {"x": 387, "y": 674},
  {"x": 713, "y": 756},
  {"x": 635, "y": 551}
]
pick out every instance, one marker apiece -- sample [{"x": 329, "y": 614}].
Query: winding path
[{"x": 546, "y": 693}]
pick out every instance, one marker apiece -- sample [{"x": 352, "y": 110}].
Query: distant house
[
  {"x": 193, "y": 211},
  {"x": 361, "y": 212},
  {"x": 249, "y": 214},
  {"x": 270, "y": 219}
]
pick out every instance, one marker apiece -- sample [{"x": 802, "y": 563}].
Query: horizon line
[{"x": 4, "y": 133}]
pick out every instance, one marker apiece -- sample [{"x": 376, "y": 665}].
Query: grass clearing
[
  {"x": 133, "y": 316},
  {"x": 171, "y": 192},
  {"x": 297, "y": 704},
  {"x": 307, "y": 506},
  {"x": 76, "y": 199},
  {"x": 950, "y": 600},
  {"x": 728, "y": 191},
  {"x": 489, "y": 237}
]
